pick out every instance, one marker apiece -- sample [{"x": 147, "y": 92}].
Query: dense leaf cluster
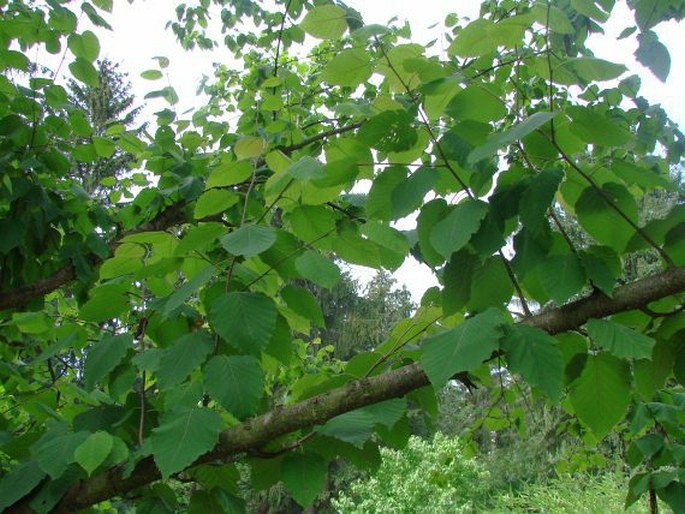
[{"x": 168, "y": 336}]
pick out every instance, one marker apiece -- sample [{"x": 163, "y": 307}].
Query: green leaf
[
  {"x": 621, "y": 341},
  {"x": 168, "y": 94},
  {"x": 325, "y": 22},
  {"x": 236, "y": 383},
  {"x": 18, "y": 482},
  {"x": 182, "y": 357},
  {"x": 379, "y": 202},
  {"x": 463, "y": 348},
  {"x": 249, "y": 147},
  {"x": 431, "y": 213},
  {"x": 229, "y": 173},
  {"x": 54, "y": 453},
  {"x": 106, "y": 302},
  {"x": 476, "y": 103},
  {"x": 84, "y": 71},
  {"x": 455, "y": 230},
  {"x": 558, "y": 21},
  {"x": 353, "y": 427},
  {"x": 654, "y": 55},
  {"x": 303, "y": 476},
  {"x": 303, "y": 302},
  {"x": 317, "y": 268},
  {"x": 104, "y": 147},
  {"x": 214, "y": 201},
  {"x": 245, "y": 320},
  {"x": 183, "y": 293},
  {"x": 490, "y": 283},
  {"x": 408, "y": 195},
  {"x": 601, "y": 394},
  {"x": 510, "y": 136},
  {"x": 249, "y": 240},
  {"x": 603, "y": 222},
  {"x": 591, "y": 69},
  {"x": 182, "y": 437},
  {"x": 104, "y": 356},
  {"x": 589, "y": 9},
  {"x": 602, "y": 267},
  {"x": 199, "y": 237},
  {"x": 151, "y": 74},
  {"x": 561, "y": 276},
  {"x": 649, "y": 13},
  {"x": 84, "y": 46},
  {"x": 93, "y": 451},
  {"x": 537, "y": 199},
  {"x": 534, "y": 355},
  {"x": 597, "y": 128},
  {"x": 348, "y": 68}
]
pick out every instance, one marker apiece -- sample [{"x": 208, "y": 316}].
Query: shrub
[{"x": 425, "y": 477}]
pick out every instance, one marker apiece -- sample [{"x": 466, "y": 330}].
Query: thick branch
[
  {"x": 169, "y": 217},
  {"x": 257, "y": 432}
]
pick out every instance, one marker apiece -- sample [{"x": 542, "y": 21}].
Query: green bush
[
  {"x": 425, "y": 477},
  {"x": 571, "y": 494}
]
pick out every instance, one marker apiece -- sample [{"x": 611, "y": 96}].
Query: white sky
[{"x": 139, "y": 35}]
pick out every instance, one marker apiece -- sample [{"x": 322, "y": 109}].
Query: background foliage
[{"x": 168, "y": 324}]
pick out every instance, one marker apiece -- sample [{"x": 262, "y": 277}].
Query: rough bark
[{"x": 254, "y": 433}]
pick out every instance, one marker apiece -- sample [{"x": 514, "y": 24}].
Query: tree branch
[{"x": 256, "y": 432}]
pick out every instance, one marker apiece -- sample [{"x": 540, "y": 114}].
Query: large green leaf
[
  {"x": 409, "y": 194},
  {"x": 85, "y": 45},
  {"x": 84, "y": 71},
  {"x": 349, "y": 68},
  {"x": 236, "y": 382},
  {"x": 604, "y": 222},
  {"x": 380, "y": 200},
  {"x": 510, "y": 136},
  {"x": 454, "y": 231},
  {"x": 213, "y": 202},
  {"x": 476, "y": 103},
  {"x": 245, "y": 320},
  {"x": 183, "y": 293},
  {"x": 182, "y": 357},
  {"x": 54, "y": 452},
  {"x": 621, "y": 341},
  {"x": 104, "y": 356},
  {"x": 598, "y": 128},
  {"x": 317, "y": 268},
  {"x": 19, "y": 482},
  {"x": 653, "y": 54},
  {"x": 94, "y": 450},
  {"x": 591, "y": 69},
  {"x": 182, "y": 436},
  {"x": 601, "y": 394},
  {"x": 303, "y": 302},
  {"x": 533, "y": 354},
  {"x": 561, "y": 276},
  {"x": 325, "y": 22},
  {"x": 249, "y": 240},
  {"x": 303, "y": 476},
  {"x": 431, "y": 213},
  {"x": 463, "y": 348}
]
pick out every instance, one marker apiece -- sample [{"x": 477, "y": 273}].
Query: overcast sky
[{"x": 139, "y": 35}]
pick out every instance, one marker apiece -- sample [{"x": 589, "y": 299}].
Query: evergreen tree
[{"x": 108, "y": 104}]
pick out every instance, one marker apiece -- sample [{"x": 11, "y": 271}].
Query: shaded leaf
[
  {"x": 620, "y": 340},
  {"x": 601, "y": 394},
  {"x": 182, "y": 437},
  {"x": 303, "y": 476},
  {"x": 245, "y": 320},
  {"x": 235, "y": 382},
  {"x": 463, "y": 348}
]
